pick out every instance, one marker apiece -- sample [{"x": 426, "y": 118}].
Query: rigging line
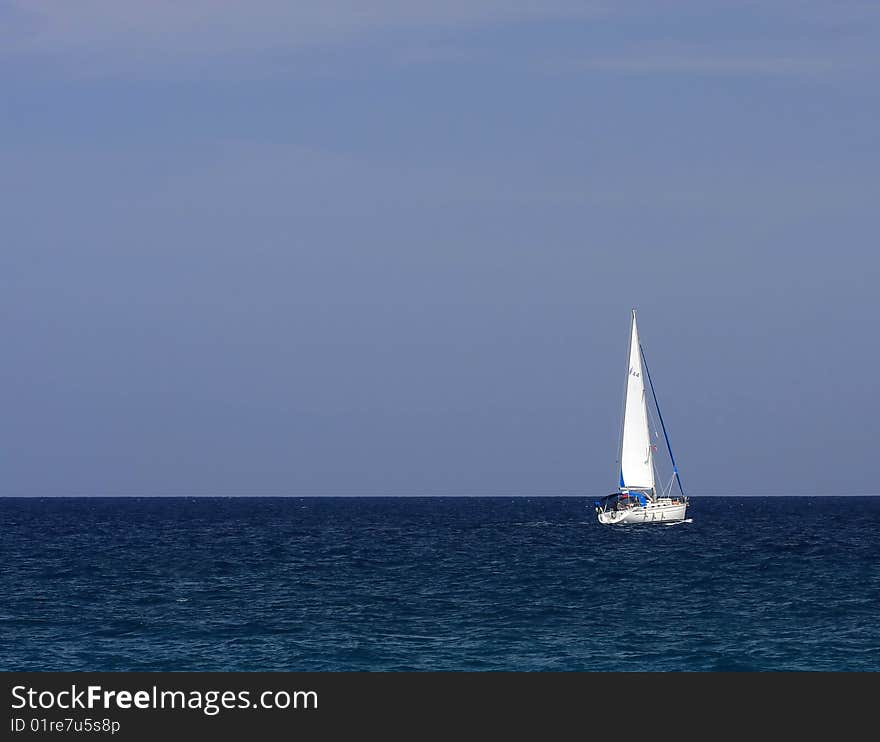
[
  {"x": 651, "y": 446},
  {"x": 662, "y": 424},
  {"x": 652, "y": 422},
  {"x": 665, "y": 488}
]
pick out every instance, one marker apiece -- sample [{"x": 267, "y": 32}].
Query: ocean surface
[{"x": 785, "y": 583}]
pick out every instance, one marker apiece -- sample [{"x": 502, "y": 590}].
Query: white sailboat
[{"x": 637, "y": 499}]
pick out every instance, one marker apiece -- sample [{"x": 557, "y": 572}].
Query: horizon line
[{"x": 407, "y": 496}]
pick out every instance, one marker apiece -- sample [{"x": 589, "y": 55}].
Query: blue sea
[{"x": 294, "y": 584}]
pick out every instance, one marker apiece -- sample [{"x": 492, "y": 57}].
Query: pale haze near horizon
[{"x": 311, "y": 250}]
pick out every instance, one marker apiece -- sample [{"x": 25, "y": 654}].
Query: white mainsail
[{"x": 636, "y": 465}]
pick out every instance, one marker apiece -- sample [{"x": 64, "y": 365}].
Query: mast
[{"x": 636, "y": 460}]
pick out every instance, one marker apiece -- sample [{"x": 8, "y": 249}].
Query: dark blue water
[{"x": 437, "y": 583}]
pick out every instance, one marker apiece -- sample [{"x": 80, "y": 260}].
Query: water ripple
[{"x": 436, "y": 584}]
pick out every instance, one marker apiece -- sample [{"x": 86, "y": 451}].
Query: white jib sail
[{"x": 636, "y": 466}]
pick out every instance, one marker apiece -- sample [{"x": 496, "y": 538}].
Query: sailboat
[{"x": 637, "y": 499}]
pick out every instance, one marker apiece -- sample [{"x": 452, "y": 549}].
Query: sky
[{"x": 325, "y": 248}]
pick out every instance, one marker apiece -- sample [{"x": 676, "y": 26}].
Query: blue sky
[{"x": 319, "y": 250}]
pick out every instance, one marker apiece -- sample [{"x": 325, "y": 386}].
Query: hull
[{"x": 659, "y": 512}]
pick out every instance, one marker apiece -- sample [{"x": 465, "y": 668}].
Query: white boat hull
[{"x": 653, "y": 512}]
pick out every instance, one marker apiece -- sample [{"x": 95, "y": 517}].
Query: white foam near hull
[{"x": 653, "y": 512}]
